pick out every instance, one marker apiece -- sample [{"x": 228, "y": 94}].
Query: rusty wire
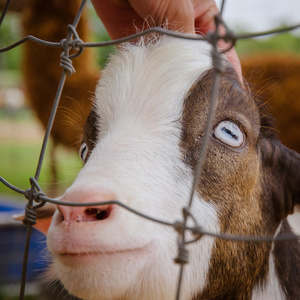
[{"x": 73, "y": 42}]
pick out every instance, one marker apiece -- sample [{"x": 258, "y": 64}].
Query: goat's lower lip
[{"x": 84, "y": 258}]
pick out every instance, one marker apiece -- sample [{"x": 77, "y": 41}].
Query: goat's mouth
[{"x": 71, "y": 258}]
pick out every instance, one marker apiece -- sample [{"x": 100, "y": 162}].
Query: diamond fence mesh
[{"x": 72, "y": 46}]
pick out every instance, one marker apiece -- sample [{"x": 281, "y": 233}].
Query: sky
[{"x": 260, "y": 15}]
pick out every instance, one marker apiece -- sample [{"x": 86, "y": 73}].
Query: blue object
[{"x": 12, "y": 243}]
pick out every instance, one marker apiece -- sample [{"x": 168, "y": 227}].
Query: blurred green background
[{"x": 21, "y": 135}]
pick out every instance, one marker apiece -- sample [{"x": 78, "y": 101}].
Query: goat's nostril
[
  {"x": 98, "y": 213},
  {"x": 93, "y": 211},
  {"x": 102, "y": 215}
]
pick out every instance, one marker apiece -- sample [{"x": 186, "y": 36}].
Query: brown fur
[
  {"x": 90, "y": 132},
  {"x": 238, "y": 183},
  {"x": 275, "y": 78},
  {"x": 48, "y": 20},
  {"x": 288, "y": 267}
]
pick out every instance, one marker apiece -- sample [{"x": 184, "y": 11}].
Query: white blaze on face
[{"x": 139, "y": 101}]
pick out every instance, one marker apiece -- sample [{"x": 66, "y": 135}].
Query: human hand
[{"x": 122, "y": 18}]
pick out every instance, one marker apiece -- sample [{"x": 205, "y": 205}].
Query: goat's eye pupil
[
  {"x": 230, "y": 134},
  {"x": 83, "y": 151}
]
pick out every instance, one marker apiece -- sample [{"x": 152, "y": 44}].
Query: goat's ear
[
  {"x": 43, "y": 217},
  {"x": 281, "y": 176}
]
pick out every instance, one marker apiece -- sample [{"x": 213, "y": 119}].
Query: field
[{"x": 21, "y": 138}]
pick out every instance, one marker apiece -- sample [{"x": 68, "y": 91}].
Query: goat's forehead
[{"x": 151, "y": 80}]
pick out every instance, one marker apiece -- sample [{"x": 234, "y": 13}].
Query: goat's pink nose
[{"x": 86, "y": 213}]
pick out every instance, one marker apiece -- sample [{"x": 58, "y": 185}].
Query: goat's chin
[{"x": 107, "y": 275}]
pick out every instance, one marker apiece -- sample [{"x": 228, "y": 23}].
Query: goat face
[{"x": 141, "y": 143}]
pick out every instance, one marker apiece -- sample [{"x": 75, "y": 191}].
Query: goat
[{"x": 140, "y": 146}]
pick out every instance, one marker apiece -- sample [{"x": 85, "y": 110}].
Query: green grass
[
  {"x": 284, "y": 43},
  {"x": 10, "y": 78},
  {"x": 19, "y": 162},
  {"x": 19, "y": 158},
  {"x": 23, "y": 115}
]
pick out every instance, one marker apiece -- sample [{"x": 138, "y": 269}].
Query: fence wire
[{"x": 74, "y": 43}]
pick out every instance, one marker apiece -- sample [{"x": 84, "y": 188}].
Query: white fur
[
  {"x": 271, "y": 288},
  {"x": 140, "y": 102}
]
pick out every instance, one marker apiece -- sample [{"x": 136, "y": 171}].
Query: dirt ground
[{"x": 30, "y": 131}]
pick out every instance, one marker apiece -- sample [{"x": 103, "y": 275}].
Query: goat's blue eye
[
  {"x": 83, "y": 151},
  {"x": 230, "y": 134}
]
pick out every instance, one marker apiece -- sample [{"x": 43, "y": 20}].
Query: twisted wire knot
[
  {"x": 230, "y": 37},
  {"x": 212, "y": 37},
  {"x": 76, "y": 43},
  {"x": 63, "y": 44},
  {"x": 34, "y": 192},
  {"x": 178, "y": 226},
  {"x": 183, "y": 255},
  {"x": 31, "y": 194},
  {"x": 76, "y": 46},
  {"x": 67, "y": 44},
  {"x": 30, "y": 215},
  {"x": 37, "y": 196},
  {"x": 197, "y": 230},
  {"x": 28, "y": 194},
  {"x": 66, "y": 64},
  {"x": 34, "y": 195}
]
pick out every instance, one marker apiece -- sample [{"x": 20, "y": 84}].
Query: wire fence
[{"x": 73, "y": 43}]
